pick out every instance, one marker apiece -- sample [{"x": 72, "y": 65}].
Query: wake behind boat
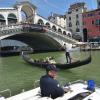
[
  {"x": 43, "y": 64},
  {"x": 79, "y": 90}
]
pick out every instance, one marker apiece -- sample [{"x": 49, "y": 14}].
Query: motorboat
[{"x": 79, "y": 90}]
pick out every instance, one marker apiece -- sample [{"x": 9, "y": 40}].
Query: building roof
[
  {"x": 77, "y": 5},
  {"x": 57, "y": 15},
  {"x": 90, "y": 11}
]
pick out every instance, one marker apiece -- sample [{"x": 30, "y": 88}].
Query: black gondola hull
[{"x": 58, "y": 65}]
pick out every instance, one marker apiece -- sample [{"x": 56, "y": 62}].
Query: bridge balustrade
[
  {"x": 56, "y": 32},
  {"x": 67, "y": 35},
  {"x": 61, "y": 37},
  {"x": 26, "y": 27},
  {"x": 6, "y": 30}
]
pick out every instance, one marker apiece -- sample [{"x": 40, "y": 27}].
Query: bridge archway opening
[
  {"x": 59, "y": 31},
  {"x": 24, "y": 16},
  {"x": 64, "y": 33},
  {"x": 27, "y": 13},
  {"x": 2, "y": 20},
  {"x": 37, "y": 41},
  {"x": 11, "y": 42},
  {"x": 12, "y": 19},
  {"x": 69, "y": 34},
  {"x": 54, "y": 28},
  {"x": 40, "y": 22},
  {"x": 48, "y": 25}
]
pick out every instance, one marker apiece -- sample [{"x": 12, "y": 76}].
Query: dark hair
[{"x": 51, "y": 68}]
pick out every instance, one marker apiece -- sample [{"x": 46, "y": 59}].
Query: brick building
[{"x": 91, "y": 23}]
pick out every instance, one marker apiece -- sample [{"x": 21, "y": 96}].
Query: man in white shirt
[{"x": 68, "y": 48}]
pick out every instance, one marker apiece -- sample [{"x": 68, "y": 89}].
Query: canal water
[{"x": 17, "y": 75}]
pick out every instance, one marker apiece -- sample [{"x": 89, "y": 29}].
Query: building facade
[
  {"x": 91, "y": 23},
  {"x": 58, "y": 19},
  {"x": 98, "y": 3},
  {"x": 74, "y": 19}
]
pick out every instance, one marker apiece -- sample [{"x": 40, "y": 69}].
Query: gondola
[
  {"x": 78, "y": 63},
  {"x": 77, "y": 90}
]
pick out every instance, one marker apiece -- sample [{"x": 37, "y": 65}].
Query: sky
[{"x": 46, "y": 7}]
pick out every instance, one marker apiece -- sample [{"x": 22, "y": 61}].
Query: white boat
[{"x": 78, "y": 91}]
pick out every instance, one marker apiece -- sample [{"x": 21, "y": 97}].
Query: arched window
[
  {"x": 64, "y": 32},
  {"x": 47, "y": 25},
  {"x": 59, "y": 30},
  {"x": 54, "y": 28},
  {"x": 69, "y": 34},
  {"x": 40, "y": 22},
  {"x": 12, "y": 19},
  {"x": 2, "y": 20}
]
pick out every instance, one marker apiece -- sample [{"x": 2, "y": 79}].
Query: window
[
  {"x": 76, "y": 9},
  {"x": 77, "y": 30},
  {"x": 69, "y": 12},
  {"x": 69, "y": 18},
  {"x": 92, "y": 22},
  {"x": 77, "y": 16},
  {"x": 70, "y": 24},
  {"x": 77, "y": 23},
  {"x": 97, "y": 22}
]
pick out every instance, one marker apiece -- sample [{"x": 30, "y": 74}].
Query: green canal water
[{"x": 16, "y": 75}]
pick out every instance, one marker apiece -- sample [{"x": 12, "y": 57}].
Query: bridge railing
[
  {"x": 7, "y": 30},
  {"x": 61, "y": 36},
  {"x": 24, "y": 27},
  {"x": 51, "y": 22},
  {"x": 13, "y": 26}
]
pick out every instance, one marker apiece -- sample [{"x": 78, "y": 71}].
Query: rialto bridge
[{"x": 12, "y": 19}]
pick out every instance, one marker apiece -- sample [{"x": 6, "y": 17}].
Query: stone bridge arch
[
  {"x": 64, "y": 33},
  {"x": 28, "y": 9},
  {"x": 40, "y": 22},
  {"x": 12, "y": 18},
  {"x": 48, "y": 25},
  {"x": 59, "y": 31},
  {"x": 37, "y": 41},
  {"x": 54, "y": 28}
]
